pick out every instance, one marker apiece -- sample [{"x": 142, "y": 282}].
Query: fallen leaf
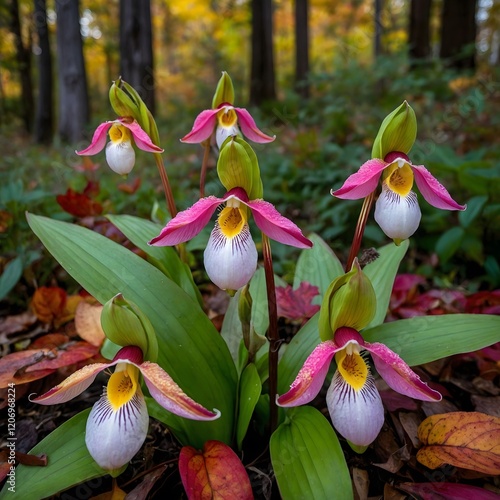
[
  {"x": 88, "y": 322},
  {"x": 447, "y": 491},
  {"x": 13, "y": 367},
  {"x": 78, "y": 204},
  {"x": 48, "y": 303},
  {"x": 130, "y": 188},
  {"x": 470, "y": 440},
  {"x": 410, "y": 423},
  {"x": 216, "y": 473},
  {"x": 141, "y": 491},
  {"x": 297, "y": 304},
  {"x": 487, "y": 404},
  {"x": 16, "y": 323},
  {"x": 361, "y": 483}
]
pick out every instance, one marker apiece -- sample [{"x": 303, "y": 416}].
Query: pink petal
[
  {"x": 74, "y": 385},
  {"x": 141, "y": 138},
  {"x": 98, "y": 140},
  {"x": 311, "y": 376},
  {"x": 433, "y": 191},
  {"x": 398, "y": 375},
  {"x": 169, "y": 395},
  {"x": 249, "y": 127},
  {"x": 277, "y": 227},
  {"x": 363, "y": 182},
  {"x": 188, "y": 223},
  {"x": 203, "y": 127}
]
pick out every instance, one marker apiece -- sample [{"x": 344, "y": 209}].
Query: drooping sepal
[
  {"x": 397, "y": 132},
  {"x": 224, "y": 93},
  {"x": 126, "y": 325}
]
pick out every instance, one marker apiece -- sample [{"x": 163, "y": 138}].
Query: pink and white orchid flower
[
  {"x": 231, "y": 255},
  {"x": 353, "y": 401},
  {"x": 118, "y": 423},
  {"x": 120, "y": 153},
  {"x": 227, "y": 118},
  {"x": 397, "y": 211}
]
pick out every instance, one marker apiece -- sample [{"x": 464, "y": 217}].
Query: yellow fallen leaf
[
  {"x": 88, "y": 322},
  {"x": 470, "y": 440}
]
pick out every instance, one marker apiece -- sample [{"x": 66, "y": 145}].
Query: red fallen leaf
[
  {"x": 470, "y": 440},
  {"x": 447, "y": 491},
  {"x": 394, "y": 401},
  {"x": 483, "y": 302},
  {"x": 92, "y": 189},
  {"x": 296, "y": 304},
  {"x": 78, "y": 204},
  {"x": 130, "y": 188},
  {"x": 216, "y": 473},
  {"x": 404, "y": 288},
  {"x": 87, "y": 165},
  {"x": 13, "y": 367}
]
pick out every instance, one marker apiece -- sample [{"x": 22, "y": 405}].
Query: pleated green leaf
[
  {"x": 426, "y": 338},
  {"x": 382, "y": 273},
  {"x": 139, "y": 232},
  {"x": 307, "y": 458},
  {"x": 190, "y": 348},
  {"x": 318, "y": 266},
  {"x": 250, "y": 390},
  {"x": 68, "y": 463}
]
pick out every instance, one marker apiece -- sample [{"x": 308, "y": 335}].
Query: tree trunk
[
  {"x": 302, "y": 47},
  {"x": 44, "y": 119},
  {"x": 73, "y": 95},
  {"x": 458, "y": 33},
  {"x": 23, "y": 56},
  {"x": 377, "y": 46},
  {"x": 136, "y": 48},
  {"x": 262, "y": 80},
  {"x": 419, "y": 33}
]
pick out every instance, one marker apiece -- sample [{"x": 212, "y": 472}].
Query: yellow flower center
[
  {"x": 119, "y": 133},
  {"x": 232, "y": 220},
  {"x": 399, "y": 177},
  {"x": 352, "y": 367},
  {"x": 227, "y": 117},
  {"x": 122, "y": 385}
]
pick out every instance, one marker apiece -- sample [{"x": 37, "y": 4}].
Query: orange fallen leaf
[
  {"x": 48, "y": 303},
  {"x": 88, "y": 322},
  {"x": 470, "y": 440},
  {"x": 214, "y": 474}
]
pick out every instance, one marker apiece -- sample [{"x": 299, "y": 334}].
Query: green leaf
[
  {"x": 11, "y": 275},
  {"x": 190, "y": 348},
  {"x": 318, "y": 266},
  {"x": 307, "y": 459},
  {"x": 68, "y": 463},
  {"x": 449, "y": 242},
  {"x": 250, "y": 390},
  {"x": 139, "y": 232},
  {"x": 382, "y": 273},
  {"x": 474, "y": 207},
  {"x": 426, "y": 338}
]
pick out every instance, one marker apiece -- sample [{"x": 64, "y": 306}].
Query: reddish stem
[
  {"x": 166, "y": 185},
  {"x": 360, "y": 229},
  {"x": 204, "y": 165}
]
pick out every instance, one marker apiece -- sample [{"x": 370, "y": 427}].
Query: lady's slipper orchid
[
  {"x": 231, "y": 256},
  {"x": 120, "y": 153},
  {"x": 353, "y": 401},
  {"x": 227, "y": 118},
  {"x": 118, "y": 423},
  {"x": 397, "y": 211}
]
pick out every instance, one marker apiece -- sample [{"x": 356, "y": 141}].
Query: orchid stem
[
  {"x": 360, "y": 229},
  {"x": 272, "y": 332},
  {"x": 204, "y": 165},
  {"x": 166, "y": 185}
]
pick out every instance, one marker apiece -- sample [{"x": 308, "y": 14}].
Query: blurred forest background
[{"x": 320, "y": 74}]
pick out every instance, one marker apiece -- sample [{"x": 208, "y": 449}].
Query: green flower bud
[
  {"x": 125, "y": 324},
  {"x": 397, "y": 132},
  {"x": 237, "y": 166},
  {"x": 349, "y": 301},
  {"x": 224, "y": 93}
]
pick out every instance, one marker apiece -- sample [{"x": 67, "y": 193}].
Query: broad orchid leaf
[
  {"x": 216, "y": 472},
  {"x": 426, "y": 338},
  {"x": 449, "y": 242},
  {"x": 190, "y": 348},
  {"x": 250, "y": 390},
  {"x": 139, "y": 232},
  {"x": 470, "y": 440},
  {"x": 318, "y": 266},
  {"x": 68, "y": 463},
  {"x": 307, "y": 458},
  {"x": 382, "y": 273},
  {"x": 11, "y": 275}
]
